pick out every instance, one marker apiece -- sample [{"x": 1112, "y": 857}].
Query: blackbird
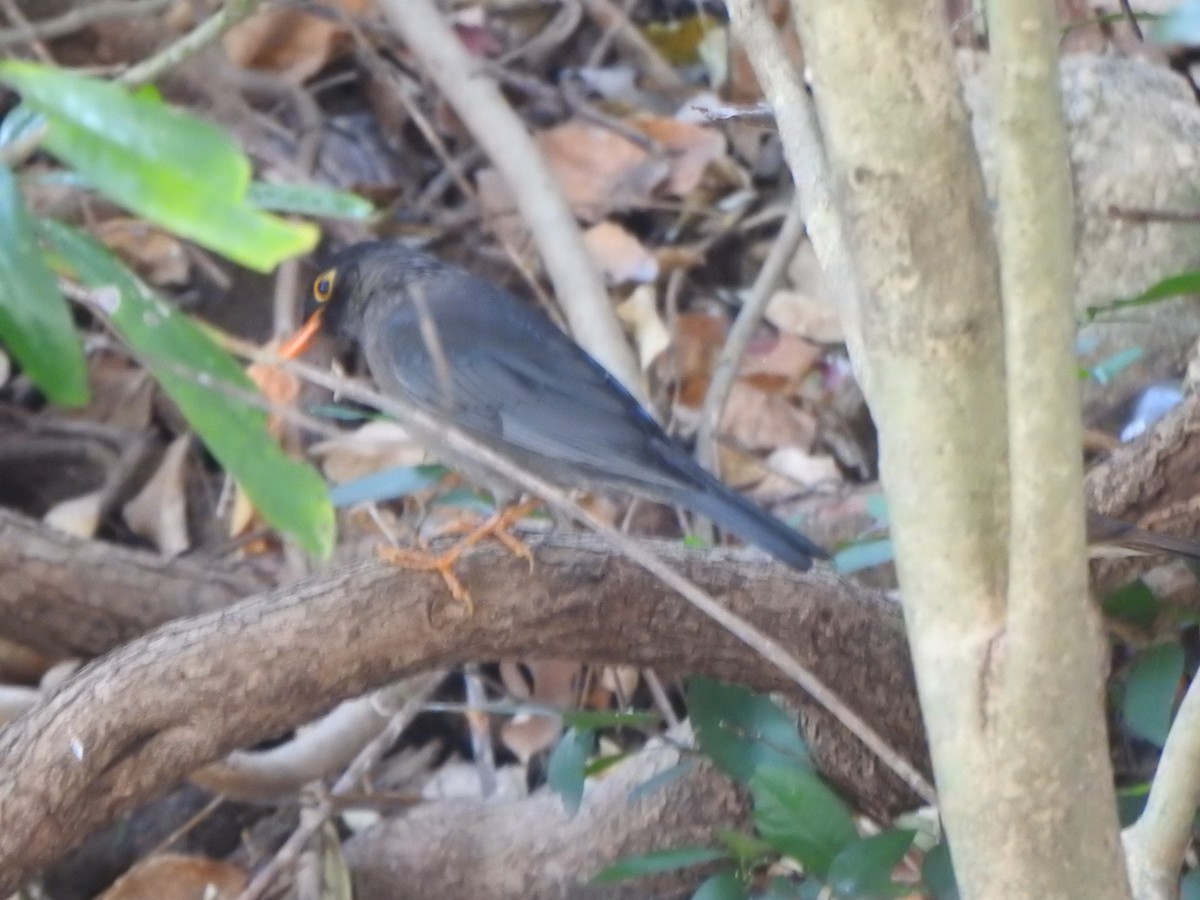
[{"x": 469, "y": 353}]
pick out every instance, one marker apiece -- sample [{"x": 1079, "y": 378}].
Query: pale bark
[{"x": 1028, "y": 806}]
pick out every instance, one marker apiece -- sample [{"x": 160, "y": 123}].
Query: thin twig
[
  {"x": 451, "y": 168},
  {"x": 495, "y": 125},
  {"x": 17, "y": 17},
  {"x": 1144, "y": 216},
  {"x": 770, "y": 276},
  {"x": 1132, "y": 20},
  {"x": 80, "y": 17},
  {"x": 646, "y": 57},
  {"x": 370, "y": 756},
  {"x": 199, "y": 37}
]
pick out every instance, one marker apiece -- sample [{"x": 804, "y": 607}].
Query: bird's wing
[{"x": 525, "y": 388}]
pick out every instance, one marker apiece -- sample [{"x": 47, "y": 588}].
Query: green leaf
[
  {"x": 165, "y": 165},
  {"x": 863, "y": 555},
  {"x": 1107, "y": 370},
  {"x": 664, "y": 778},
  {"x": 877, "y": 508},
  {"x": 1150, "y": 691},
  {"x": 938, "y": 873},
  {"x": 207, "y": 385},
  {"x": 800, "y": 816},
  {"x": 388, "y": 484},
  {"x": 741, "y": 730},
  {"x": 35, "y": 320},
  {"x": 658, "y": 862},
  {"x": 1189, "y": 886},
  {"x": 602, "y": 718},
  {"x": 1169, "y": 288},
  {"x": 722, "y": 886},
  {"x": 601, "y": 764},
  {"x": 783, "y": 888},
  {"x": 565, "y": 770},
  {"x": 747, "y": 849},
  {"x": 309, "y": 200},
  {"x": 1131, "y": 801},
  {"x": 863, "y": 868},
  {"x": 1133, "y": 603}
]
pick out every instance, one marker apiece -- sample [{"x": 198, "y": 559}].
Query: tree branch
[{"x": 136, "y": 722}]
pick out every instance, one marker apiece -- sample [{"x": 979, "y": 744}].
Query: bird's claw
[
  {"x": 443, "y": 564},
  {"x": 496, "y": 526}
]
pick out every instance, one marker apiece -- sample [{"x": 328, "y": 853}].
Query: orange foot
[{"x": 496, "y": 527}]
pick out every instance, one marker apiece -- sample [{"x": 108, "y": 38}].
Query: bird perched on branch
[{"x": 471, "y": 354}]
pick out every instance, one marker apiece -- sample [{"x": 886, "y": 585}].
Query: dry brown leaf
[
  {"x": 292, "y": 44},
  {"x": 699, "y": 338},
  {"x": 122, "y": 392},
  {"x": 800, "y": 313},
  {"x": 159, "y": 511},
  {"x": 757, "y": 420},
  {"x": 791, "y": 467},
  {"x": 809, "y": 308},
  {"x": 598, "y": 169},
  {"x": 692, "y": 147},
  {"x": 741, "y": 470},
  {"x": 778, "y": 362},
  {"x": 155, "y": 255},
  {"x": 79, "y": 516},
  {"x": 376, "y": 446},
  {"x": 174, "y": 876},
  {"x": 621, "y": 680},
  {"x": 640, "y": 314},
  {"x": 553, "y": 684},
  {"x": 619, "y": 255},
  {"x": 242, "y": 514},
  {"x": 279, "y": 386}
]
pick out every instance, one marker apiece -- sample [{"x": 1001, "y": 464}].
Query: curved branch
[
  {"x": 66, "y": 596},
  {"x": 138, "y": 721}
]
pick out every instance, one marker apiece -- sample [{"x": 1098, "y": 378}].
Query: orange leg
[{"x": 496, "y": 526}]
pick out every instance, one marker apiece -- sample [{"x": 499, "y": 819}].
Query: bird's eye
[{"x": 323, "y": 286}]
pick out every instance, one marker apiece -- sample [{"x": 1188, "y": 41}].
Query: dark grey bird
[{"x": 472, "y": 354}]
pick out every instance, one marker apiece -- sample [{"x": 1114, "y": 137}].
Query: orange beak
[{"x": 299, "y": 342}]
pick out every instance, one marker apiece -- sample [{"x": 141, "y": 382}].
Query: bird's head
[{"x": 346, "y": 289}]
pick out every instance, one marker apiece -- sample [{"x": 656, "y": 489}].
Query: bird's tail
[{"x": 753, "y": 524}]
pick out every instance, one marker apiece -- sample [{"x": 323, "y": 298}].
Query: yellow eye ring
[{"x": 323, "y": 286}]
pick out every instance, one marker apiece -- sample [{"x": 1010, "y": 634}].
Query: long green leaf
[
  {"x": 741, "y": 731},
  {"x": 800, "y": 816},
  {"x": 163, "y": 164},
  {"x": 309, "y": 200},
  {"x": 209, "y": 386},
  {"x": 656, "y": 862},
  {"x": 565, "y": 770},
  {"x": 863, "y": 868},
  {"x": 35, "y": 320},
  {"x": 1151, "y": 690}
]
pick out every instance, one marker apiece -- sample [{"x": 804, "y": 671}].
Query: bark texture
[{"x": 137, "y": 721}]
